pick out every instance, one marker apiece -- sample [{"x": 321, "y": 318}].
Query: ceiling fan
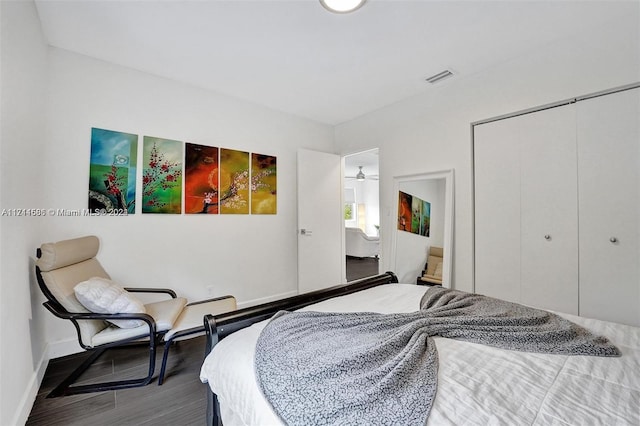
[{"x": 360, "y": 176}]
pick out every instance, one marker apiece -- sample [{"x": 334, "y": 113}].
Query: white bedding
[{"x": 477, "y": 384}]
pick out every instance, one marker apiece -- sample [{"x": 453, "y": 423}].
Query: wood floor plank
[
  {"x": 179, "y": 401},
  {"x": 78, "y": 412}
]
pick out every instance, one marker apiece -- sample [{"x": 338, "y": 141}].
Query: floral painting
[
  {"x": 234, "y": 182},
  {"x": 200, "y": 179},
  {"x": 162, "y": 176},
  {"x": 416, "y": 214},
  {"x": 404, "y": 211},
  {"x": 263, "y": 184},
  {"x": 112, "y": 171}
]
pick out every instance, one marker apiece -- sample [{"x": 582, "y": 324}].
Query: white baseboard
[
  {"x": 268, "y": 299},
  {"x": 28, "y": 398}
]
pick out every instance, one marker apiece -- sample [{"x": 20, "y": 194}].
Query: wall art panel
[
  {"x": 264, "y": 184},
  {"x": 201, "y": 179},
  {"x": 162, "y": 176},
  {"x": 234, "y": 181},
  {"x": 404, "y": 211},
  {"x": 112, "y": 171}
]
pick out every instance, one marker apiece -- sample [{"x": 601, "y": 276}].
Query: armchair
[
  {"x": 61, "y": 266},
  {"x": 359, "y": 244},
  {"x": 432, "y": 274}
]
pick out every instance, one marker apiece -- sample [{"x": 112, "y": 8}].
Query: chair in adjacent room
[
  {"x": 107, "y": 315},
  {"x": 432, "y": 273},
  {"x": 359, "y": 244}
]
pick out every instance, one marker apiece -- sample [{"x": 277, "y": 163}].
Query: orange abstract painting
[{"x": 201, "y": 179}]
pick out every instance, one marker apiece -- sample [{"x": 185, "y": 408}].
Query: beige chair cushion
[
  {"x": 61, "y": 283},
  {"x": 436, "y": 251},
  {"x": 165, "y": 313},
  {"x": 438, "y": 272},
  {"x": 65, "y": 253},
  {"x": 192, "y": 315}
]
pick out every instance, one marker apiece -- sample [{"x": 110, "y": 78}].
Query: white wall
[
  {"x": 23, "y": 81},
  {"x": 51, "y": 99},
  {"x": 435, "y": 126},
  {"x": 249, "y": 256}
]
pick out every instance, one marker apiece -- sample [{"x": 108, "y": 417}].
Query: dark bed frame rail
[{"x": 219, "y": 326}]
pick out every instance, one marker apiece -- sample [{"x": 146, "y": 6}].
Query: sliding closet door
[
  {"x": 609, "y": 182},
  {"x": 526, "y": 233},
  {"x": 497, "y": 210},
  {"x": 549, "y": 209}
]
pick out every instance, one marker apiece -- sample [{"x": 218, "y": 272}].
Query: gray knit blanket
[{"x": 318, "y": 368}]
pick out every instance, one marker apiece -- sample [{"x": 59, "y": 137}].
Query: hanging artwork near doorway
[
  {"x": 425, "y": 219},
  {"x": 263, "y": 184},
  {"x": 112, "y": 171},
  {"x": 234, "y": 181},
  {"x": 161, "y": 176},
  {"x": 414, "y": 214},
  {"x": 404, "y": 211},
  {"x": 201, "y": 179}
]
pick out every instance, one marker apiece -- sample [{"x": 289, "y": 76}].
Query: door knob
[
  {"x": 613, "y": 239},
  {"x": 547, "y": 237}
]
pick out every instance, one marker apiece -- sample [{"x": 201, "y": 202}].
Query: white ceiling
[
  {"x": 296, "y": 57},
  {"x": 369, "y": 160}
]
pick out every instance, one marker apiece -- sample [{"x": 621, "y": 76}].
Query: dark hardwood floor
[
  {"x": 181, "y": 400},
  {"x": 361, "y": 267}
]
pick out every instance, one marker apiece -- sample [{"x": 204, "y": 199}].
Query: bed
[{"x": 477, "y": 384}]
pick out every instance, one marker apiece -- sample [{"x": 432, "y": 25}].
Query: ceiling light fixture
[
  {"x": 360, "y": 175},
  {"x": 342, "y": 6}
]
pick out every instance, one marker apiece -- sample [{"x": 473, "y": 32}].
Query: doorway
[{"x": 361, "y": 214}]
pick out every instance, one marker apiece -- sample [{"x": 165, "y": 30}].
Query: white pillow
[{"x": 103, "y": 296}]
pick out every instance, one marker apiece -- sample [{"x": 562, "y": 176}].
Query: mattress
[{"x": 477, "y": 384}]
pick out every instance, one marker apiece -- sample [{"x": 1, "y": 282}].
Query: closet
[{"x": 556, "y": 198}]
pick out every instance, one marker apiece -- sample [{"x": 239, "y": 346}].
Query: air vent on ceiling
[{"x": 440, "y": 76}]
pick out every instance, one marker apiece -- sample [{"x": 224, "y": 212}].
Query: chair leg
[
  {"x": 167, "y": 346},
  {"x": 65, "y": 388},
  {"x": 165, "y": 355}
]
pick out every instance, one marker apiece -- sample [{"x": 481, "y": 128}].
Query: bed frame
[{"x": 219, "y": 326}]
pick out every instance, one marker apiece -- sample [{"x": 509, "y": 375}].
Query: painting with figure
[
  {"x": 263, "y": 184},
  {"x": 200, "y": 179},
  {"x": 416, "y": 214},
  {"x": 112, "y": 171},
  {"x": 425, "y": 222},
  {"x": 404, "y": 211},
  {"x": 162, "y": 176},
  {"x": 234, "y": 182}
]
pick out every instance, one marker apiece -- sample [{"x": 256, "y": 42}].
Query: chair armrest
[
  {"x": 75, "y": 316},
  {"x": 152, "y": 290}
]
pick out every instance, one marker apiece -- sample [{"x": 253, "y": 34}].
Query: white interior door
[
  {"x": 549, "y": 209},
  {"x": 497, "y": 210},
  {"x": 609, "y": 154},
  {"x": 526, "y": 233},
  {"x": 320, "y": 223}
]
